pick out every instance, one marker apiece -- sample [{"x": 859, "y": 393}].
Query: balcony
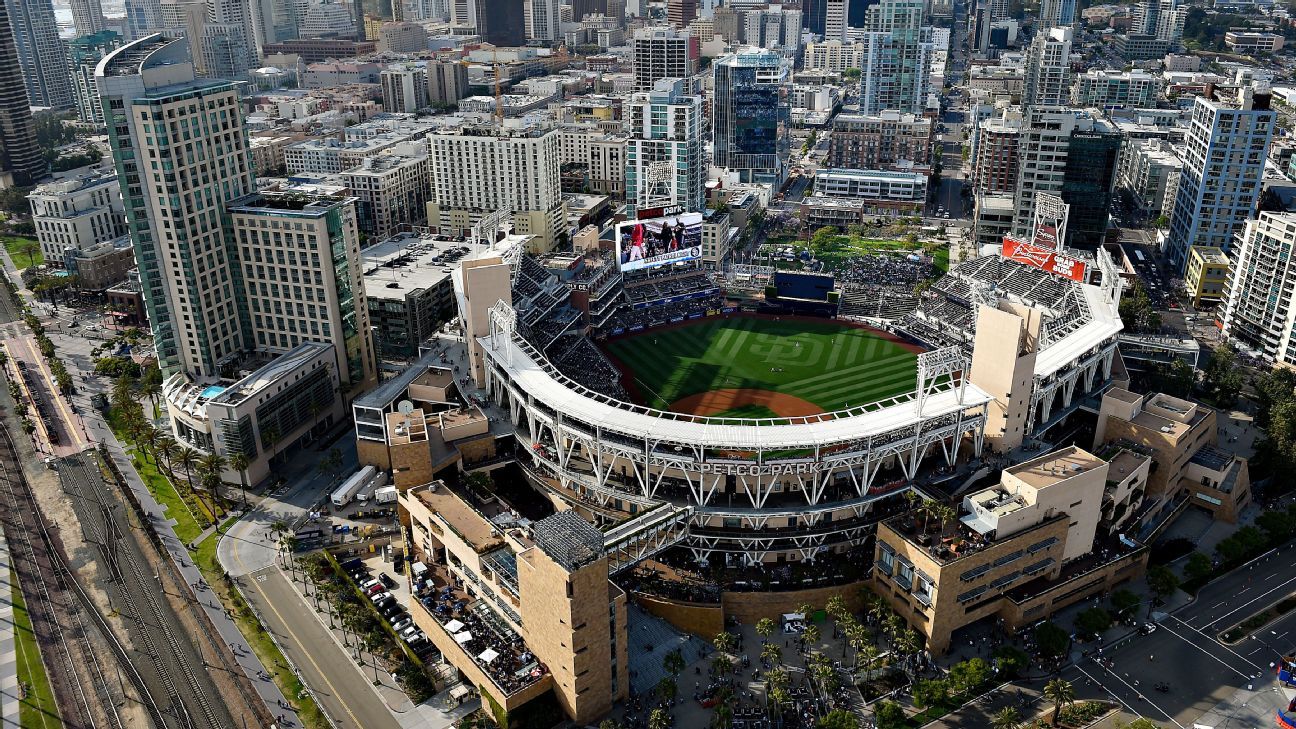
[{"x": 485, "y": 639}]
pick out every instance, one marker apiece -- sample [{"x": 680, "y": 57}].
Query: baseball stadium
[{"x": 764, "y": 417}]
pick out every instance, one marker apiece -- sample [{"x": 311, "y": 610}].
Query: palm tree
[
  {"x": 772, "y": 653},
  {"x": 166, "y": 450},
  {"x": 659, "y": 718},
  {"x": 213, "y": 465},
  {"x": 866, "y": 656},
  {"x": 1007, "y": 718},
  {"x": 1061, "y": 693},
  {"x": 725, "y": 641},
  {"x": 150, "y": 439},
  {"x": 810, "y": 637},
  {"x": 151, "y": 389},
  {"x": 188, "y": 458},
  {"x": 240, "y": 462},
  {"x": 122, "y": 389},
  {"x": 945, "y": 514},
  {"x": 765, "y": 628}
]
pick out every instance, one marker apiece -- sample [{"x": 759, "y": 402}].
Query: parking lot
[{"x": 385, "y": 586}]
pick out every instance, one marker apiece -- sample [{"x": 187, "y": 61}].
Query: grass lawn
[
  {"x": 941, "y": 258},
  {"x": 825, "y": 363},
  {"x": 14, "y": 245},
  {"x": 38, "y": 710},
  {"x": 187, "y": 526}
]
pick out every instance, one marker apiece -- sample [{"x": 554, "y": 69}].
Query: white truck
[
  {"x": 343, "y": 494},
  {"x": 385, "y": 495}
]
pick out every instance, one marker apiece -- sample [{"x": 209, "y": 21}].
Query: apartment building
[
  {"x": 84, "y": 54},
  {"x": 1258, "y": 311},
  {"x": 77, "y": 214},
  {"x": 447, "y": 82},
  {"x": 402, "y": 37},
  {"x": 995, "y": 156},
  {"x": 1206, "y": 276},
  {"x": 1018, "y": 551},
  {"x": 1182, "y": 440},
  {"x": 662, "y": 52},
  {"x": 539, "y": 619},
  {"x": 834, "y": 56},
  {"x": 391, "y": 189},
  {"x": 888, "y": 140},
  {"x": 478, "y": 170},
  {"x": 878, "y": 185},
  {"x": 1048, "y": 69},
  {"x": 404, "y": 88},
  {"x": 1224, "y": 159},
  {"x": 665, "y": 163},
  {"x": 42, "y": 54},
  {"x": 1103, "y": 88},
  {"x": 1149, "y": 171}
]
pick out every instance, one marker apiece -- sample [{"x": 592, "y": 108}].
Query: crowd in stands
[
  {"x": 583, "y": 362},
  {"x": 653, "y": 316},
  {"x": 885, "y": 270},
  {"x": 654, "y": 290}
]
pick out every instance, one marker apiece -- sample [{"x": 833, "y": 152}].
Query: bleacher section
[
  {"x": 946, "y": 311},
  {"x": 876, "y": 302}
]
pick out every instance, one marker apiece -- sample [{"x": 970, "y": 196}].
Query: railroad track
[
  {"x": 191, "y": 701},
  {"x": 52, "y": 606}
]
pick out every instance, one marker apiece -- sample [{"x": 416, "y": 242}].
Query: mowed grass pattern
[{"x": 830, "y": 365}]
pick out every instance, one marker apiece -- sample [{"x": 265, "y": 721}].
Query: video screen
[{"x": 659, "y": 241}]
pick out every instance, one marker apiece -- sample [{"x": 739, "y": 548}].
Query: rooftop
[
  {"x": 947, "y": 542},
  {"x": 472, "y": 526},
  {"x": 1055, "y": 467},
  {"x": 409, "y": 262},
  {"x": 279, "y": 368}
]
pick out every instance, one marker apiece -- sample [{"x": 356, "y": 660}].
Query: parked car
[
  {"x": 403, "y": 624},
  {"x": 386, "y": 579},
  {"x": 378, "y": 597}
]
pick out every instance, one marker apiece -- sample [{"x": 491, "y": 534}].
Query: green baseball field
[{"x": 757, "y": 367}]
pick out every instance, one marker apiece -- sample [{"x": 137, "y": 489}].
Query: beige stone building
[
  {"x": 1019, "y": 551},
  {"x": 1182, "y": 438},
  {"x": 540, "y": 621}
]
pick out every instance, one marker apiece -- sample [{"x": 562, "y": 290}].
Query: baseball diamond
[{"x": 785, "y": 366}]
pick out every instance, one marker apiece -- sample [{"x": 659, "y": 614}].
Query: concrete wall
[
  {"x": 748, "y": 607},
  {"x": 701, "y": 619}
]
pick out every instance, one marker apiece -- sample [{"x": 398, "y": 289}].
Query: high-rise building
[
  {"x": 275, "y": 21},
  {"x": 1161, "y": 19},
  {"x": 979, "y": 27},
  {"x": 479, "y": 170},
  {"x": 87, "y": 16},
  {"x": 391, "y": 189},
  {"x": 1224, "y": 159},
  {"x": 541, "y": 21},
  {"x": 447, "y": 82},
  {"x": 1071, "y": 153},
  {"x": 402, "y": 36},
  {"x": 41, "y": 53},
  {"x": 1048, "y": 69},
  {"x": 814, "y": 13},
  {"x": 228, "y": 41},
  {"x": 185, "y": 19},
  {"x": 188, "y": 266},
  {"x": 751, "y": 116},
  {"x": 581, "y": 8},
  {"x": 404, "y": 87},
  {"x": 84, "y": 54},
  {"x": 1057, "y": 13},
  {"x": 142, "y": 18},
  {"x": 663, "y": 52},
  {"x": 21, "y": 161},
  {"x": 665, "y": 161},
  {"x": 994, "y": 165},
  {"x": 895, "y": 72},
  {"x": 680, "y": 13},
  {"x": 301, "y": 276},
  {"x": 500, "y": 22},
  {"x": 1259, "y": 310},
  {"x": 327, "y": 20}
]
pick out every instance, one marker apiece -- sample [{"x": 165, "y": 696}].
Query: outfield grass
[
  {"x": 830, "y": 365},
  {"x": 14, "y": 245},
  {"x": 38, "y": 710}
]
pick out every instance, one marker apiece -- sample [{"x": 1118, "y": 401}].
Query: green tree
[
  {"x": 838, "y": 719},
  {"x": 765, "y": 627},
  {"x": 659, "y": 718},
  {"x": 852, "y": 74},
  {"x": 1093, "y": 621},
  {"x": 889, "y": 715},
  {"x": 1222, "y": 379},
  {"x": 1051, "y": 640},
  {"x": 1137, "y": 311},
  {"x": 929, "y": 692},
  {"x": 968, "y": 676},
  {"x": 673, "y": 662},
  {"x": 240, "y": 462},
  {"x": 1124, "y": 602},
  {"x": 1162, "y": 581},
  {"x": 1198, "y": 566},
  {"x": 1061, "y": 693}
]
